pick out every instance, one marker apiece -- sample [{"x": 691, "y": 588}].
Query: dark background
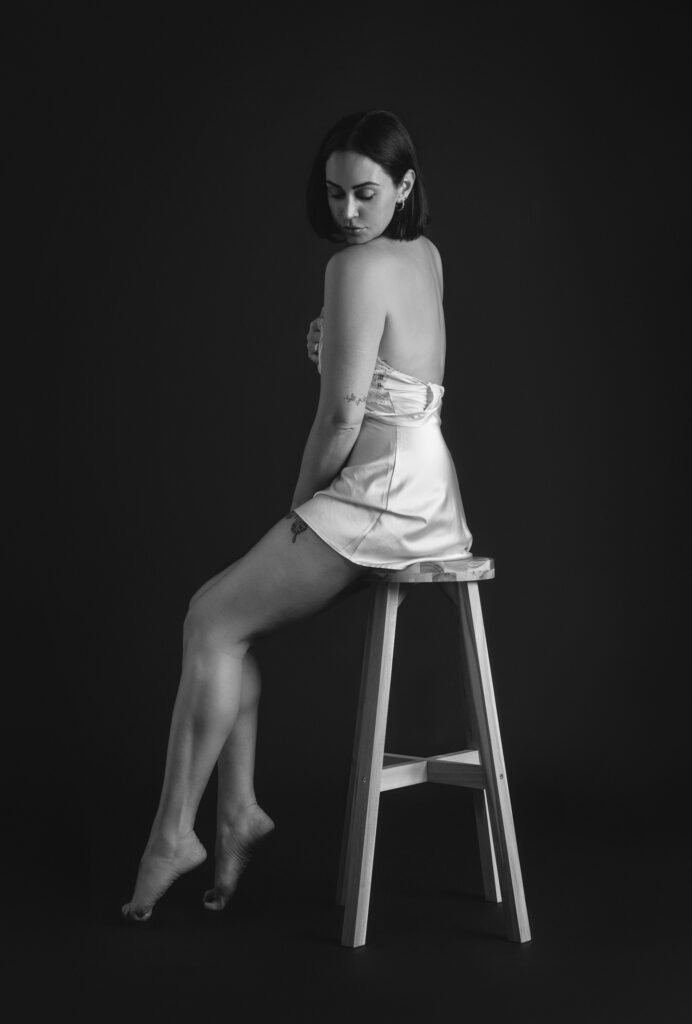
[{"x": 161, "y": 283}]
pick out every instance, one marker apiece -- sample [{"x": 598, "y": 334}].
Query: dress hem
[{"x": 374, "y": 565}]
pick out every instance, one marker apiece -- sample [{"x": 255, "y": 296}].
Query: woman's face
[{"x": 361, "y": 195}]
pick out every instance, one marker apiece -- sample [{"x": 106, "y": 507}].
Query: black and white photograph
[{"x": 346, "y": 613}]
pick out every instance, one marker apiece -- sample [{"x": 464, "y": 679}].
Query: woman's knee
[
  {"x": 198, "y": 624},
  {"x": 208, "y": 584},
  {"x": 206, "y": 626}
]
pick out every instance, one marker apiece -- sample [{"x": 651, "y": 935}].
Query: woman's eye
[{"x": 365, "y": 198}]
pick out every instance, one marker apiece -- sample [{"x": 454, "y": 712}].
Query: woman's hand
[{"x": 314, "y": 335}]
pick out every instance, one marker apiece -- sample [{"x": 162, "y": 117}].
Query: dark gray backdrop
[{"x": 166, "y": 279}]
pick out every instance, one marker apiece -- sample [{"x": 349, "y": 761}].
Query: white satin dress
[{"x": 396, "y": 500}]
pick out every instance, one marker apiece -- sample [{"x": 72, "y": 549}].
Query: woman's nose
[{"x": 351, "y": 211}]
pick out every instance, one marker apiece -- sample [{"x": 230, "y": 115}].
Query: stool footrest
[
  {"x": 462, "y": 768},
  {"x": 450, "y": 773}
]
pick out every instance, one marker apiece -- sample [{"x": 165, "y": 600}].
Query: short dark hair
[{"x": 379, "y": 135}]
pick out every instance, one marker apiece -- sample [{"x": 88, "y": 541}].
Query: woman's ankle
[
  {"x": 232, "y": 814},
  {"x": 167, "y": 835}
]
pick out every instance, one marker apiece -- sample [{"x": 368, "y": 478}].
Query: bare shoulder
[
  {"x": 357, "y": 265},
  {"x": 435, "y": 252},
  {"x": 437, "y": 262},
  {"x": 355, "y": 256}
]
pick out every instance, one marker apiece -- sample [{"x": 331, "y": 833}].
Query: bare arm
[
  {"x": 354, "y": 317},
  {"x": 326, "y": 451}
]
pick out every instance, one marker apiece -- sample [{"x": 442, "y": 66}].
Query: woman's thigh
[
  {"x": 208, "y": 584},
  {"x": 286, "y": 576}
]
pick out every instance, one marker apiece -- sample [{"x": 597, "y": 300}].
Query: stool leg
[
  {"x": 491, "y": 879},
  {"x": 350, "y": 800},
  {"x": 490, "y": 746},
  {"x": 371, "y": 727}
]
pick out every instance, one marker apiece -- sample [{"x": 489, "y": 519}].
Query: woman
[{"x": 376, "y": 488}]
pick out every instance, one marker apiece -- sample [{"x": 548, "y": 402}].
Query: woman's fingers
[
  {"x": 313, "y": 337},
  {"x": 312, "y": 347}
]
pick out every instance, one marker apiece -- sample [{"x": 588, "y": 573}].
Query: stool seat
[
  {"x": 479, "y": 766},
  {"x": 460, "y": 570}
]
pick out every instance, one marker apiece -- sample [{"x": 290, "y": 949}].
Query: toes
[
  {"x": 213, "y": 900},
  {"x": 134, "y": 915}
]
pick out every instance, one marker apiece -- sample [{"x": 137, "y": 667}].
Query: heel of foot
[
  {"x": 158, "y": 869},
  {"x": 234, "y": 847}
]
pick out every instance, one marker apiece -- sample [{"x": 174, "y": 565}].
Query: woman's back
[{"x": 413, "y": 340}]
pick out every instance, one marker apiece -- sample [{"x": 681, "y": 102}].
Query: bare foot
[
  {"x": 162, "y": 862},
  {"x": 234, "y": 845}
]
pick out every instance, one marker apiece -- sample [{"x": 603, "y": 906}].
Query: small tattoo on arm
[
  {"x": 297, "y": 526},
  {"x": 353, "y": 398}
]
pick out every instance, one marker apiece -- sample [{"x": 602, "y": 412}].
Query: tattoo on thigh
[{"x": 297, "y": 526}]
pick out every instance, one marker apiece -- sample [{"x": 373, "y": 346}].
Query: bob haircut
[{"x": 382, "y": 137}]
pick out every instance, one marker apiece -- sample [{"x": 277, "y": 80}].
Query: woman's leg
[
  {"x": 240, "y": 821},
  {"x": 236, "y": 764},
  {"x": 286, "y": 576}
]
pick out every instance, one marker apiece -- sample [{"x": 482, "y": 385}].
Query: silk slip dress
[{"x": 396, "y": 499}]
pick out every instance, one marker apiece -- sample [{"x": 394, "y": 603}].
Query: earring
[{"x": 403, "y": 204}]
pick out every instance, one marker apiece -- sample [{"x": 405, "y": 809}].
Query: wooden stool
[{"x": 481, "y": 768}]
